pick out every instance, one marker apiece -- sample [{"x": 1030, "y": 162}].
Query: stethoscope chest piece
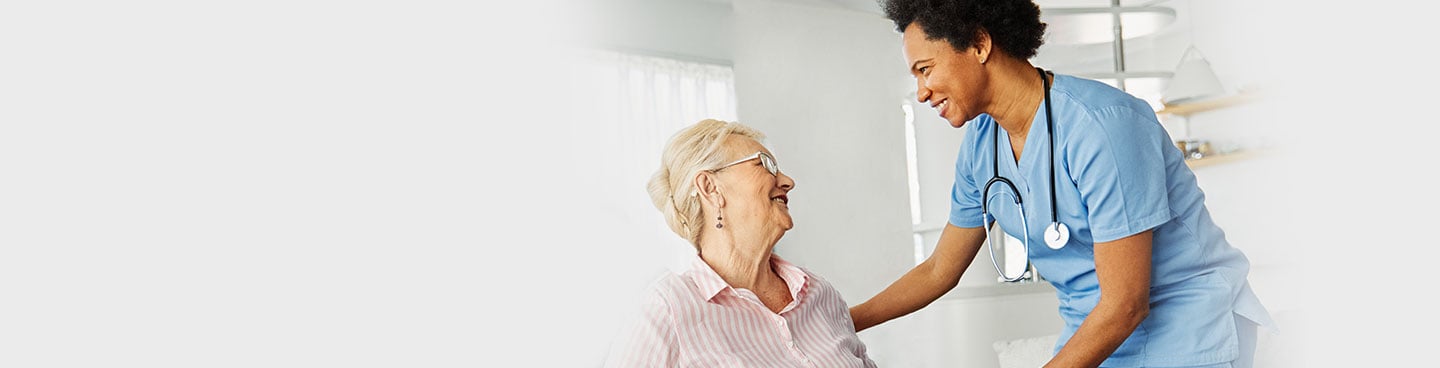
[{"x": 1056, "y": 235}]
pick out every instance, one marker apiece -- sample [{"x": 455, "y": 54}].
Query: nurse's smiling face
[{"x": 949, "y": 80}]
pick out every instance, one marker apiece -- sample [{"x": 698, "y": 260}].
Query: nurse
[{"x": 1145, "y": 278}]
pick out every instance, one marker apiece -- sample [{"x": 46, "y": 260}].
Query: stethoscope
[{"x": 1057, "y": 234}]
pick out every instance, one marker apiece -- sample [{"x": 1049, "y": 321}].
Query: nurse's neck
[{"x": 1016, "y": 95}]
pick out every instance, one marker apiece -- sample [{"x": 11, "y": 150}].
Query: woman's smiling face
[
  {"x": 947, "y": 79},
  {"x": 753, "y": 195}
]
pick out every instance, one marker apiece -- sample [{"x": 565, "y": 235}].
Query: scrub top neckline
[{"x": 1027, "y": 154}]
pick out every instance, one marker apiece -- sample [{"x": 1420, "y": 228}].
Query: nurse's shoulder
[{"x": 1099, "y": 102}]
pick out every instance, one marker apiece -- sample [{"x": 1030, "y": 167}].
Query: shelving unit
[
  {"x": 1219, "y": 159},
  {"x": 1186, "y": 109}
]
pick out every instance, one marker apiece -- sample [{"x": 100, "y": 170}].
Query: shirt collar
[
  {"x": 710, "y": 284},
  {"x": 794, "y": 277},
  {"x": 706, "y": 280}
]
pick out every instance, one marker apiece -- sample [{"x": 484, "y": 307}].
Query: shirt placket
[{"x": 782, "y": 325}]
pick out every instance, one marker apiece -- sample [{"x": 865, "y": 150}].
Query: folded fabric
[{"x": 1027, "y": 352}]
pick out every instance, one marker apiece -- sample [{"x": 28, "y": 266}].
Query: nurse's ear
[{"x": 980, "y": 48}]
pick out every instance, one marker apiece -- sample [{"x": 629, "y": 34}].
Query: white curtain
[
  {"x": 632, "y": 104},
  {"x": 635, "y": 103}
]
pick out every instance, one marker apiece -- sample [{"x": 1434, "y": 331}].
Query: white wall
[
  {"x": 1338, "y": 112},
  {"x": 1360, "y": 94},
  {"x": 693, "y": 30},
  {"x": 820, "y": 83}
]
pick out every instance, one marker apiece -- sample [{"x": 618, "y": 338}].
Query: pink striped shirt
[{"x": 695, "y": 319}]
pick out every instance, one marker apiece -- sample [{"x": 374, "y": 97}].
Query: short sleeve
[
  {"x": 1119, "y": 169},
  {"x": 965, "y": 194}
]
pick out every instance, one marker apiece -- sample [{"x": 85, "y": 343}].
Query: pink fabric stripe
[{"x": 695, "y": 319}]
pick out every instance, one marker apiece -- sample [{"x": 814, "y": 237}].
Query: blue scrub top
[{"x": 1117, "y": 173}]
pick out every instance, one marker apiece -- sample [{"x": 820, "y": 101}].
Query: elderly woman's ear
[{"x": 708, "y": 189}]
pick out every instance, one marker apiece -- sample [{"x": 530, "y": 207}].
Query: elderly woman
[{"x": 738, "y": 305}]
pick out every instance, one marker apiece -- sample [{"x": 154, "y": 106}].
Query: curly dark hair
[{"x": 1014, "y": 25}]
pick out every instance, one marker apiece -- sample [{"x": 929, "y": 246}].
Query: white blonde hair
[{"x": 689, "y": 152}]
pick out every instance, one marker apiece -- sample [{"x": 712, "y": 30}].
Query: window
[{"x": 930, "y": 147}]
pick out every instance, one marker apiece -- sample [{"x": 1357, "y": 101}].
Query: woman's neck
[
  {"x": 1018, "y": 93},
  {"x": 743, "y": 264}
]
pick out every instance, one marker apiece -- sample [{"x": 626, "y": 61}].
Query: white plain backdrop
[{"x": 287, "y": 184}]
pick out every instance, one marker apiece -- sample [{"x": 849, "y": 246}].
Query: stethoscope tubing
[{"x": 996, "y": 178}]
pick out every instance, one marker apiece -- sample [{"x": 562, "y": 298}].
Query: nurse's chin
[{"x": 956, "y": 123}]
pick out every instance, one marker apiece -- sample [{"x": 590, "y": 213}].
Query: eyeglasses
[{"x": 765, "y": 160}]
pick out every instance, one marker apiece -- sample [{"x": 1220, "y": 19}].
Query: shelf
[
  {"x": 1208, "y": 104},
  {"x": 1217, "y": 159}
]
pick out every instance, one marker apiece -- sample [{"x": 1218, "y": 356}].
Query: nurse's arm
[
  {"x": 1123, "y": 269},
  {"x": 926, "y": 282}
]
